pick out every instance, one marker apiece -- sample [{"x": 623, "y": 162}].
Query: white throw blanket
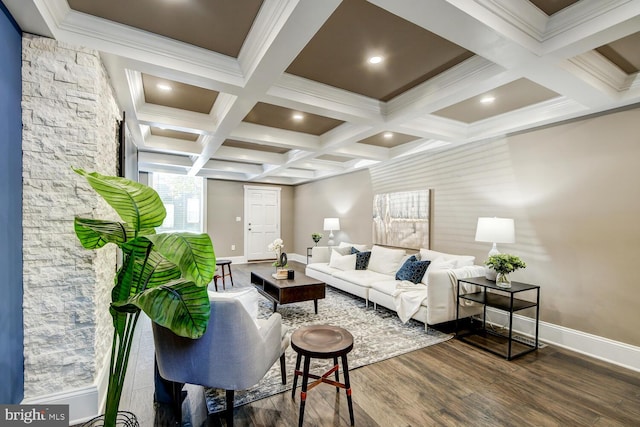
[{"x": 407, "y": 298}]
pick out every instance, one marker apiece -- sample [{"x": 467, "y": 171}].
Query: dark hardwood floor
[{"x": 449, "y": 384}]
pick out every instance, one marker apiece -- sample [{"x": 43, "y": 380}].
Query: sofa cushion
[
  {"x": 361, "y": 277},
  {"x": 342, "y": 262},
  {"x": 387, "y": 287},
  {"x": 412, "y": 270},
  {"x": 362, "y": 258},
  {"x": 361, "y": 248},
  {"x": 385, "y": 260},
  {"x": 460, "y": 260},
  {"x": 437, "y": 264},
  {"x": 322, "y": 267},
  {"x": 342, "y": 251}
]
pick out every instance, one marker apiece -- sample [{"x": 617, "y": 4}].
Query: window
[{"x": 183, "y": 198}]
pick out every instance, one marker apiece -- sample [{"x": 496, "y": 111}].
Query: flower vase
[{"x": 503, "y": 281}]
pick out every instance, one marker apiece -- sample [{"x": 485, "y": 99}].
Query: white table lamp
[
  {"x": 331, "y": 225},
  {"x": 495, "y": 230}
]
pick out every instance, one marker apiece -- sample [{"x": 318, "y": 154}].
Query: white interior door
[{"x": 262, "y": 220}]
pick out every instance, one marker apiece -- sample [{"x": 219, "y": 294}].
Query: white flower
[{"x": 276, "y": 246}]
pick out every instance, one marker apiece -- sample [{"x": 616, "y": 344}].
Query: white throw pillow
[
  {"x": 437, "y": 264},
  {"x": 385, "y": 260},
  {"x": 361, "y": 248},
  {"x": 248, "y": 298},
  {"x": 342, "y": 262},
  {"x": 459, "y": 260}
]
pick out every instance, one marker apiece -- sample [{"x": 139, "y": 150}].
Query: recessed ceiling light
[
  {"x": 375, "y": 59},
  {"x": 164, "y": 86},
  {"x": 388, "y": 135},
  {"x": 487, "y": 99},
  {"x": 298, "y": 116}
]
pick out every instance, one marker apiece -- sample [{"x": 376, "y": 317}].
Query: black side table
[{"x": 503, "y": 300}]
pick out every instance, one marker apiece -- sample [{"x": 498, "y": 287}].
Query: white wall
[{"x": 69, "y": 119}]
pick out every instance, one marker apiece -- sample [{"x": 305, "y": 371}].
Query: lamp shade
[
  {"x": 495, "y": 230},
  {"x": 332, "y": 224}
]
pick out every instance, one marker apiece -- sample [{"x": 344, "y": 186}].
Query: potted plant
[
  {"x": 316, "y": 237},
  {"x": 165, "y": 275},
  {"x": 281, "y": 258},
  {"x": 504, "y": 264}
]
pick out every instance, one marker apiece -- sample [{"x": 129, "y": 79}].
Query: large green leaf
[
  {"x": 192, "y": 253},
  {"x": 158, "y": 271},
  {"x": 129, "y": 279},
  {"x": 137, "y": 204},
  {"x": 95, "y": 233},
  {"x": 181, "y": 306}
]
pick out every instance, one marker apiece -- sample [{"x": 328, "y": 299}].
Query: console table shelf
[
  {"x": 502, "y": 299},
  {"x": 498, "y": 301}
]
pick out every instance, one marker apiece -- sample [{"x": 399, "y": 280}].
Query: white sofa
[{"x": 378, "y": 282}]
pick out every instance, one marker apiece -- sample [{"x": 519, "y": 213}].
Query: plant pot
[{"x": 503, "y": 281}]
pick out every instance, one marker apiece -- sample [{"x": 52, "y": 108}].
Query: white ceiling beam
[
  {"x": 172, "y": 145},
  {"x": 246, "y": 155},
  {"x": 259, "y": 134},
  {"x": 269, "y": 49},
  {"x": 222, "y": 166}
]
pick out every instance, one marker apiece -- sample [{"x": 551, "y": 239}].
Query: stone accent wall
[{"x": 69, "y": 118}]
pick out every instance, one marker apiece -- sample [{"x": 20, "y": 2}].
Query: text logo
[{"x": 34, "y": 415}]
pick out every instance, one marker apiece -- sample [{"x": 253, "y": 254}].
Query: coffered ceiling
[{"x": 285, "y": 91}]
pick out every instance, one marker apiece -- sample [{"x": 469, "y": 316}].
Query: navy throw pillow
[
  {"x": 412, "y": 270},
  {"x": 362, "y": 258}
]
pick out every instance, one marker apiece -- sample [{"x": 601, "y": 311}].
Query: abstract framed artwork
[{"x": 401, "y": 219}]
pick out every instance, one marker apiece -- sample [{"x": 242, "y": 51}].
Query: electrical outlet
[
  {"x": 238, "y": 219},
  {"x": 233, "y": 247}
]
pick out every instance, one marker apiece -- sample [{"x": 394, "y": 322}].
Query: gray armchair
[{"x": 235, "y": 352}]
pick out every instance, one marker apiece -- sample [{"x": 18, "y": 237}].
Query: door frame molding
[{"x": 245, "y": 215}]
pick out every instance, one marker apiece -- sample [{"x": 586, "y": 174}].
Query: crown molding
[
  {"x": 323, "y": 99},
  {"x": 594, "y": 66},
  {"x": 188, "y": 121},
  {"x": 100, "y": 34},
  {"x": 469, "y": 77},
  {"x": 259, "y": 134},
  {"x": 539, "y": 114}
]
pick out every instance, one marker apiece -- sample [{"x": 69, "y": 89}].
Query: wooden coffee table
[{"x": 285, "y": 291}]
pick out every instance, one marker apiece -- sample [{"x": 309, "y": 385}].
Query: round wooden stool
[
  {"x": 223, "y": 263},
  {"x": 321, "y": 342}
]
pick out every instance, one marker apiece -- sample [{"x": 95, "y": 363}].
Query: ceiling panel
[
  {"x": 337, "y": 55},
  {"x": 334, "y": 158},
  {"x": 388, "y": 139},
  {"x": 625, "y": 53},
  {"x": 286, "y": 118},
  {"x": 217, "y": 25},
  {"x": 512, "y": 96},
  {"x": 256, "y": 147},
  {"x": 179, "y": 95},
  {"x": 552, "y": 6},
  {"x": 170, "y": 133}
]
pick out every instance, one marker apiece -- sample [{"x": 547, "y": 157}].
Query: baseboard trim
[
  {"x": 82, "y": 401},
  {"x": 236, "y": 259},
  {"x": 607, "y": 350}
]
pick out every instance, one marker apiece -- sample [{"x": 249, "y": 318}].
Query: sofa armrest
[
  {"x": 320, "y": 254},
  {"x": 442, "y": 292}
]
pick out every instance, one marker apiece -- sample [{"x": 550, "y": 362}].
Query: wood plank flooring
[{"x": 449, "y": 384}]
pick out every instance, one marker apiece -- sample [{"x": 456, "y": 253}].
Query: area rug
[{"x": 378, "y": 335}]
